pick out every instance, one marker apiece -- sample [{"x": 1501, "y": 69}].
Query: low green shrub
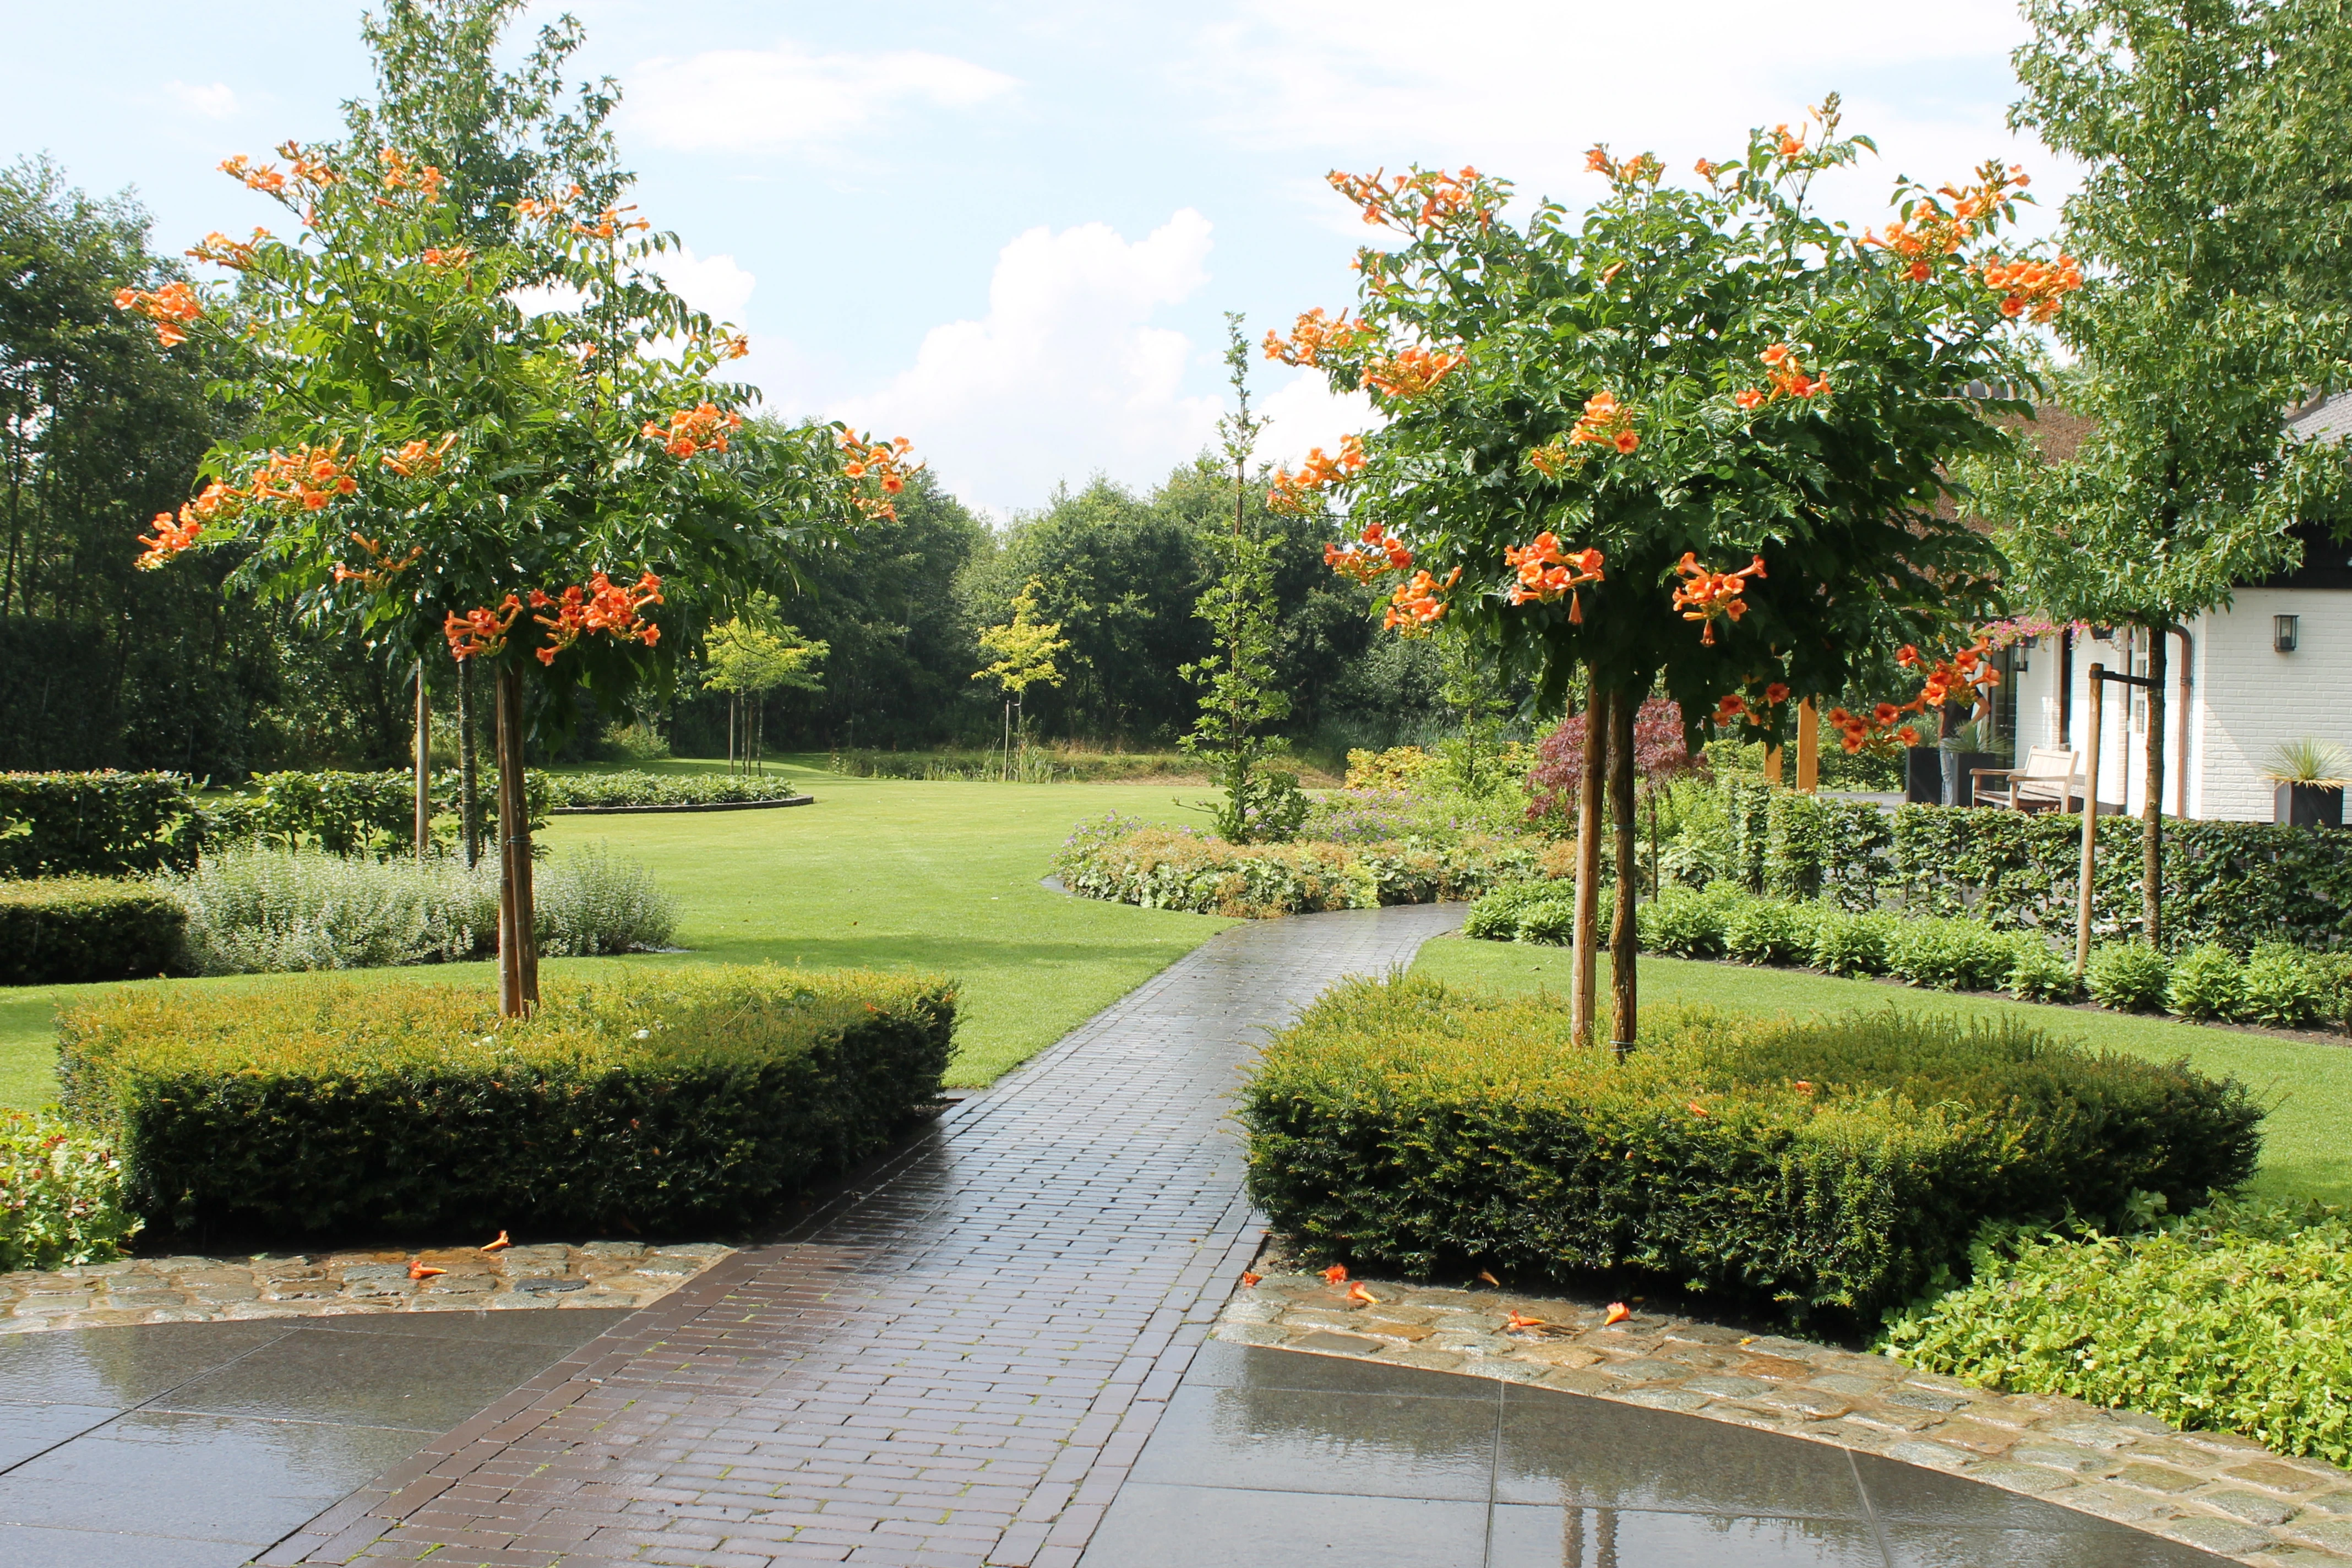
[
  {"x": 1686, "y": 924},
  {"x": 2229, "y": 1321},
  {"x": 1956, "y": 955},
  {"x": 2127, "y": 977},
  {"x": 256, "y": 912},
  {"x": 2205, "y": 983},
  {"x": 653, "y": 1098},
  {"x": 2040, "y": 973},
  {"x": 1769, "y": 930},
  {"x": 1837, "y": 1165},
  {"x": 573, "y": 792},
  {"x": 1850, "y": 945},
  {"x": 61, "y": 931},
  {"x": 60, "y": 1195},
  {"x": 1494, "y": 915},
  {"x": 1181, "y": 868},
  {"x": 2285, "y": 988}
]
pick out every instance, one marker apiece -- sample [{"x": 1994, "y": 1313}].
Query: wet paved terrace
[{"x": 991, "y": 1349}]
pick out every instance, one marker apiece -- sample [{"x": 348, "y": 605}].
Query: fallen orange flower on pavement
[
  {"x": 420, "y": 1269},
  {"x": 1358, "y": 1293},
  {"x": 1616, "y": 1315},
  {"x": 1249, "y": 1279},
  {"x": 494, "y": 1245},
  {"x": 1336, "y": 1274}
]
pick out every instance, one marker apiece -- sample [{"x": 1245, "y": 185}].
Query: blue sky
[{"x": 1009, "y": 231}]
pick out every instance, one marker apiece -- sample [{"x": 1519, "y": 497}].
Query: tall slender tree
[{"x": 2213, "y": 221}]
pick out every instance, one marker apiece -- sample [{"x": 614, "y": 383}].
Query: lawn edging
[{"x": 699, "y": 806}]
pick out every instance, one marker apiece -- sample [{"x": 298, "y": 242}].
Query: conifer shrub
[
  {"x": 1835, "y": 1165},
  {"x": 662, "y": 1097}
]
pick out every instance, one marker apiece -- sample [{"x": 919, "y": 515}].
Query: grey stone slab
[
  {"x": 121, "y": 1366},
  {"x": 1222, "y": 1365},
  {"x": 203, "y": 1477},
  {"x": 2110, "y": 1546},
  {"x": 1297, "y": 1440},
  {"x": 1158, "y": 1526},
  {"x": 1562, "y": 1448},
  {"x": 569, "y": 1329},
  {"x": 1528, "y": 1536},
  {"x": 27, "y": 1428},
  {"x": 1914, "y": 1495},
  {"x": 43, "y": 1546},
  {"x": 423, "y": 1383}
]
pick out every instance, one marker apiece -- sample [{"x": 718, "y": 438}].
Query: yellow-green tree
[
  {"x": 748, "y": 655},
  {"x": 1024, "y": 649}
]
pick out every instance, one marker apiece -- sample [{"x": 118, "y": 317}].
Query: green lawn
[
  {"x": 2307, "y": 1138},
  {"x": 888, "y": 874}
]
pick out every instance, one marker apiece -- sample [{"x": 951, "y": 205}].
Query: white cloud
[
  {"x": 1303, "y": 412},
  {"x": 765, "y": 99},
  {"x": 216, "y": 102},
  {"x": 713, "y": 285},
  {"x": 1065, "y": 374},
  {"x": 1521, "y": 87}
]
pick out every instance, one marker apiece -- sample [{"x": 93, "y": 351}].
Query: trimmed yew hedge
[
  {"x": 663, "y": 1099},
  {"x": 1835, "y": 1167},
  {"x": 61, "y": 931}
]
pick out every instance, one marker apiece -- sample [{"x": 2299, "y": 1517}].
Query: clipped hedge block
[
  {"x": 63, "y": 931},
  {"x": 660, "y": 1098},
  {"x": 1837, "y": 1165}
]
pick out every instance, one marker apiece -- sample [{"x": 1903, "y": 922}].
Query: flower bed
[
  {"x": 648, "y": 1099},
  {"x": 1180, "y": 869},
  {"x": 1837, "y": 1165},
  {"x": 60, "y": 1195}
]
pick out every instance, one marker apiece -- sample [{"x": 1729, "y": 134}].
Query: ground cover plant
[
  {"x": 2307, "y": 1085},
  {"x": 2228, "y": 1320},
  {"x": 878, "y": 874},
  {"x": 654, "y": 1099},
  {"x": 1834, "y": 1166},
  {"x": 60, "y": 1195}
]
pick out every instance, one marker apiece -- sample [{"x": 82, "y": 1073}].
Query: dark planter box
[
  {"x": 2309, "y": 806},
  {"x": 1923, "y": 776}
]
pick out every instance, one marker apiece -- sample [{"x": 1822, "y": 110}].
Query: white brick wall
[
  {"x": 2247, "y": 700},
  {"x": 2252, "y": 697}
]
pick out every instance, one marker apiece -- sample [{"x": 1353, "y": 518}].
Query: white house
[{"x": 2275, "y": 666}]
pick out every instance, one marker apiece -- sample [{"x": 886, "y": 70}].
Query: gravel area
[{"x": 2223, "y": 1493}]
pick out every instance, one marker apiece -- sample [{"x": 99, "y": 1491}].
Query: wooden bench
[{"x": 2050, "y": 781}]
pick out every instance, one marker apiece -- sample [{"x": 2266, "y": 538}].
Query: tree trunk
[
  {"x": 469, "y": 778},
  {"x": 2151, "y": 896},
  {"x": 1624, "y": 937},
  {"x": 518, "y": 917},
  {"x": 1583, "y": 985},
  {"x": 424, "y": 766}
]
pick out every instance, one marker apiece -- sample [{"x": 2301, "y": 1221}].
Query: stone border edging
[
  {"x": 698, "y": 805},
  {"x": 191, "y": 1289},
  {"x": 2216, "y": 1491}
]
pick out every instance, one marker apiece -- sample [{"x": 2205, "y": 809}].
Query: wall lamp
[{"x": 2283, "y": 632}]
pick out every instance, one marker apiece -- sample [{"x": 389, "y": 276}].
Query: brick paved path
[{"x": 955, "y": 1364}]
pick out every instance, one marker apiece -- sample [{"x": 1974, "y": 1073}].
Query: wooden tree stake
[
  {"x": 1584, "y": 985},
  {"x": 2090, "y": 826}
]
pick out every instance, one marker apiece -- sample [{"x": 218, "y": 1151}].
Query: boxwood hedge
[
  {"x": 661, "y": 1099},
  {"x": 61, "y": 931},
  {"x": 1837, "y": 1165}
]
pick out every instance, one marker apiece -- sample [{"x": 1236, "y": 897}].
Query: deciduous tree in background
[
  {"x": 2212, "y": 217},
  {"x": 1026, "y": 648},
  {"x": 1699, "y": 436},
  {"x": 750, "y": 655}
]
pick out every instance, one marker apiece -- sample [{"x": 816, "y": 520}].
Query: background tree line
[{"x": 102, "y": 666}]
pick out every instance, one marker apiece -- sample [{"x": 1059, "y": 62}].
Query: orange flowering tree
[
  {"x": 512, "y": 445},
  {"x": 1696, "y": 436}
]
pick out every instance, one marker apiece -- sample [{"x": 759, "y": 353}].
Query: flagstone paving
[{"x": 191, "y": 1289}]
